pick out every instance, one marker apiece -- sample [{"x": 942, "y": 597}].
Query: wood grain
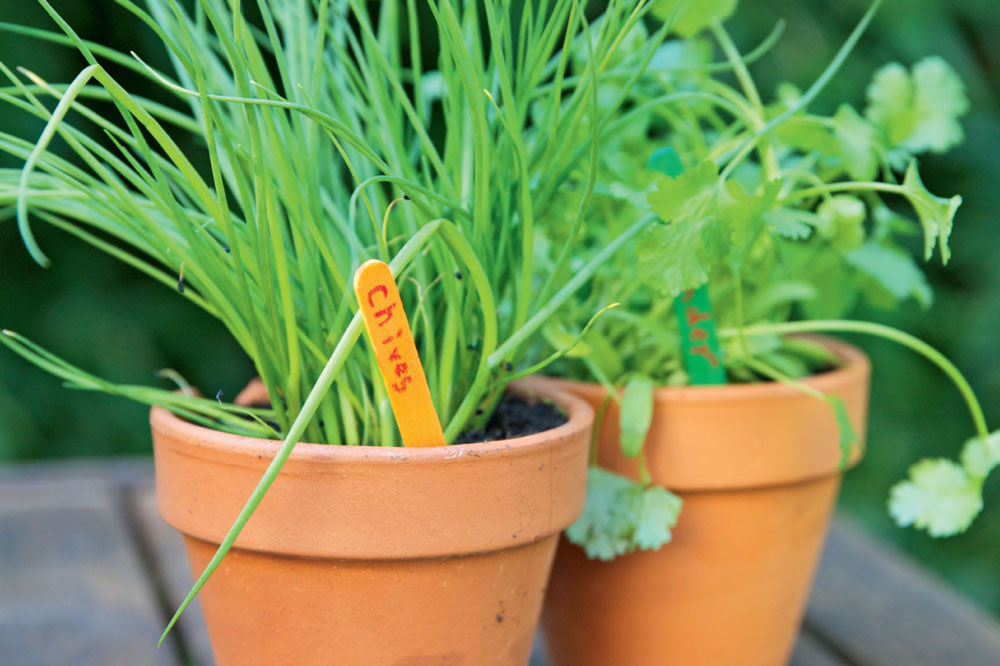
[
  {"x": 88, "y": 572},
  {"x": 168, "y": 563},
  {"x": 880, "y": 608},
  {"x": 73, "y": 589}
]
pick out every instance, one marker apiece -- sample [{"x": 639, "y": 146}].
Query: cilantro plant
[{"x": 789, "y": 216}]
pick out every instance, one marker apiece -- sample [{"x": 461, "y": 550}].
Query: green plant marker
[
  {"x": 666, "y": 161},
  {"x": 699, "y": 340},
  {"x": 695, "y": 318}
]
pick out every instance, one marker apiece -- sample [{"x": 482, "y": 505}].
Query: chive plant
[
  {"x": 790, "y": 217},
  {"x": 327, "y": 133},
  {"x": 330, "y": 132}
]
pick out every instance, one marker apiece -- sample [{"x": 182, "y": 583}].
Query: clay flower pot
[
  {"x": 375, "y": 556},
  {"x": 757, "y": 468}
]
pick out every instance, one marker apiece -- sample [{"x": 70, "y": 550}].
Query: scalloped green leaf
[
  {"x": 621, "y": 515},
  {"x": 919, "y": 110},
  {"x": 940, "y": 497},
  {"x": 936, "y": 214}
]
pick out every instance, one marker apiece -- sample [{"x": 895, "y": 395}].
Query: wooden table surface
[{"x": 89, "y": 573}]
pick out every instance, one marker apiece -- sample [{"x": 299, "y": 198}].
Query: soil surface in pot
[{"x": 516, "y": 416}]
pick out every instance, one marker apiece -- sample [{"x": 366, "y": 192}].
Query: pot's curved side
[
  {"x": 731, "y": 586},
  {"x": 741, "y": 435},
  {"x": 269, "y": 610},
  {"x": 376, "y": 502},
  {"x": 382, "y": 557}
]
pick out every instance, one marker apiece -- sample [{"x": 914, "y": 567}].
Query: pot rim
[
  {"x": 743, "y": 436},
  {"x": 372, "y": 502},
  {"x": 853, "y": 359},
  {"x": 574, "y": 407}
]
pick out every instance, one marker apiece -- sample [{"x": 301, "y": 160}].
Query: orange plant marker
[{"x": 389, "y": 332}]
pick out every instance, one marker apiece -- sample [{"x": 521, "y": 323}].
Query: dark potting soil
[{"x": 516, "y": 416}]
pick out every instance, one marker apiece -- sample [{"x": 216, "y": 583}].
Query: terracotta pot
[
  {"x": 757, "y": 468},
  {"x": 371, "y": 556}
]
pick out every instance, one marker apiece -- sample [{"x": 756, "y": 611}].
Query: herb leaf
[
  {"x": 674, "y": 257},
  {"x": 858, "y": 140},
  {"x": 658, "y": 511},
  {"x": 791, "y": 223},
  {"x": 918, "y": 111},
  {"x": 980, "y": 456},
  {"x": 893, "y": 270},
  {"x": 621, "y": 516},
  {"x": 692, "y": 17},
  {"x": 936, "y": 214},
  {"x": 636, "y": 414},
  {"x": 940, "y": 497},
  {"x": 841, "y": 220}
]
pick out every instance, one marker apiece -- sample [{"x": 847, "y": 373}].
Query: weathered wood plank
[
  {"x": 70, "y": 568},
  {"x": 169, "y": 561},
  {"x": 881, "y": 609},
  {"x": 73, "y": 589}
]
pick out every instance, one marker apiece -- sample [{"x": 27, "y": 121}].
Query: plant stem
[
  {"x": 543, "y": 314},
  {"x": 883, "y": 331},
  {"x": 810, "y": 94}
]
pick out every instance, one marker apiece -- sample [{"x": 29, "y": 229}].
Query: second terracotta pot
[
  {"x": 370, "y": 556},
  {"x": 757, "y": 468}
]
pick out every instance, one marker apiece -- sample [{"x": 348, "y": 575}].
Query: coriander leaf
[
  {"x": 791, "y": 223},
  {"x": 939, "y": 497},
  {"x": 808, "y": 134},
  {"x": 636, "y": 414},
  {"x": 689, "y": 195},
  {"x": 785, "y": 363},
  {"x": 692, "y": 16},
  {"x": 742, "y": 215},
  {"x": 621, "y": 515},
  {"x": 859, "y": 143},
  {"x": 770, "y": 296},
  {"x": 980, "y": 456},
  {"x": 602, "y": 530},
  {"x": 658, "y": 512},
  {"x": 683, "y": 61},
  {"x": 918, "y": 111},
  {"x": 670, "y": 258},
  {"x": 936, "y": 214},
  {"x": 841, "y": 220},
  {"x": 676, "y": 257},
  {"x": 893, "y": 270},
  {"x": 886, "y": 223},
  {"x": 836, "y": 287}
]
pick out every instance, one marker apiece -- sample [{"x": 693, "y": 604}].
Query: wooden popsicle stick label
[{"x": 396, "y": 353}]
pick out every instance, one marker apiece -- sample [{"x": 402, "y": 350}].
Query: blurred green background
[{"x": 113, "y": 322}]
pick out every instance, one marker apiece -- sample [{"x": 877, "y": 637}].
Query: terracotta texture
[
  {"x": 371, "y": 556},
  {"x": 757, "y": 468}
]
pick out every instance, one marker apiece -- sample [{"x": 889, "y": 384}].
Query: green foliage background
[{"x": 112, "y": 321}]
